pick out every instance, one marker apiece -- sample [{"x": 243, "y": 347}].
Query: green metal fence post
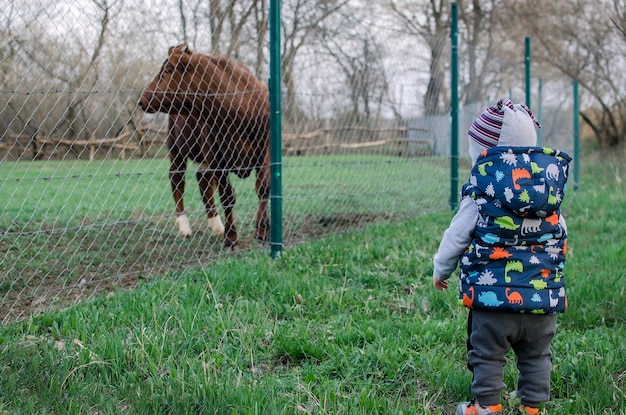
[
  {"x": 576, "y": 135},
  {"x": 276, "y": 191},
  {"x": 454, "y": 110},
  {"x": 527, "y": 61},
  {"x": 540, "y": 112}
]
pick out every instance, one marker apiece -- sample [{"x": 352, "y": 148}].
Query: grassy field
[
  {"x": 347, "y": 324},
  {"x": 72, "y": 229},
  {"x": 58, "y": 194}
]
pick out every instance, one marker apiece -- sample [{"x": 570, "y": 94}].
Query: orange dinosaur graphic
[
  {"x": 500, "y": 253},
  {"x": 514, "y": 297},
  {"x": 545, "y": 273},
  {"x": 553, "y": 219},
  {"x": 519, "y": 174},
  {"x": 467, "y": 300}
]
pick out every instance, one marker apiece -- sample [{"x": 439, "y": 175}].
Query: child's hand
[{"x": 440, "y": 284}]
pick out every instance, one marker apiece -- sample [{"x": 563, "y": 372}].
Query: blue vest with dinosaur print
[{"x": 516, "y": 258}]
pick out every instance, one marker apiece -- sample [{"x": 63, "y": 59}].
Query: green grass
[
  {"x": 346, "y": 324},
  {"x": 56, "y": 194},
  {"x": 53, "y": 195}
]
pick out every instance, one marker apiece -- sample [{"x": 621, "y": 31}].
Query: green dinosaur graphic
[
  {"x": 482, "y": 166},
  {"x": 506, "y": 222},
  {"x": 558, "y": 275},
  {"x": 538, "y": 284},
  {"x": 512, "y": 266},
  {"x": 534, "y": 168},
  {"x": 551, "y": 198}
]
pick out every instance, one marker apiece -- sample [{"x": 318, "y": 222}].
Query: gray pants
[{"x": 491, "y": 335}]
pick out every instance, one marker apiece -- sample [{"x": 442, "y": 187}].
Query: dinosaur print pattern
[
  {"x": 513, "y": 297},
  {"x": 519, "y": 174},
  {"x": 510, "y": 267},
  {"x": 531, "y": 225},
  {"x": 489, "y": 299},
  {"x": 486, "y": 278},
  {"x": 515, "y": 261}
]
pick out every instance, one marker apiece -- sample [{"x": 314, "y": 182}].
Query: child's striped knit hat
[{"x": 505, "y": 124}]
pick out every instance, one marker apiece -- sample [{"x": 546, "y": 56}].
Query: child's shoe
[
  {"x": 474, "y": 408},
  {"x": 529, "y": 410}
]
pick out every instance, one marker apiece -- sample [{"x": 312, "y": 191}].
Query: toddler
[{"x": 510, "y": 240}]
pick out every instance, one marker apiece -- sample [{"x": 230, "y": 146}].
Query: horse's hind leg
[
  {"x": 262, "y": 187},
  {"x": 178, "y": 167},
  {"x": 228, "y": 199},
  {"x": 207, "y": 183},
  {"x": 177, "y": 182}
]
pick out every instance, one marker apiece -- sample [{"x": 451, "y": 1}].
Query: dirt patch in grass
[{"x": 53, "y": 269}]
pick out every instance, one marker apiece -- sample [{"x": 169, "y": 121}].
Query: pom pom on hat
[{"x": 505, "y": 124}]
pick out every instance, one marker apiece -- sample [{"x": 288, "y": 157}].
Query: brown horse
[{"x": 219, "y": 117}]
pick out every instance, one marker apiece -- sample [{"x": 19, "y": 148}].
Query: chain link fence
[
  {"x": 87, "y": 204},
  {"x": 84, "y": 182}
]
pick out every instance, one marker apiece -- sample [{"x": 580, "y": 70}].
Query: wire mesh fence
[
  {"x": 86, "y": 175},
  {"x": 87, "y": 203}
]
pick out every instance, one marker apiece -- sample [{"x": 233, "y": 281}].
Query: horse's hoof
[
  {"x": 232, "y": 248},
  {"x": 184, "y": 229},
  {"x": 216, "y": 225},
  {"x": 230, "y": 243},
  {"x": 261, "y": 238}
]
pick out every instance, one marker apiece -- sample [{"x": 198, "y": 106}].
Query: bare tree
[
  {"x": 226, "y": 27},
  {"x": 261, "y": 25},
  {"x": 69, "y": 62},
  {"x": 579, "y": 38},
  {"x": 360, "y": 61},
  {"x": 477, "y": 21},
  {"x": 490, "y": 59},
  {"x": 301, "y": 20},
  {"x": 429, "y": 21},
  {"x": 86, "y": 77},
  {"x": 183, "y": 20},
  {"x": 14, "y": 30}
]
